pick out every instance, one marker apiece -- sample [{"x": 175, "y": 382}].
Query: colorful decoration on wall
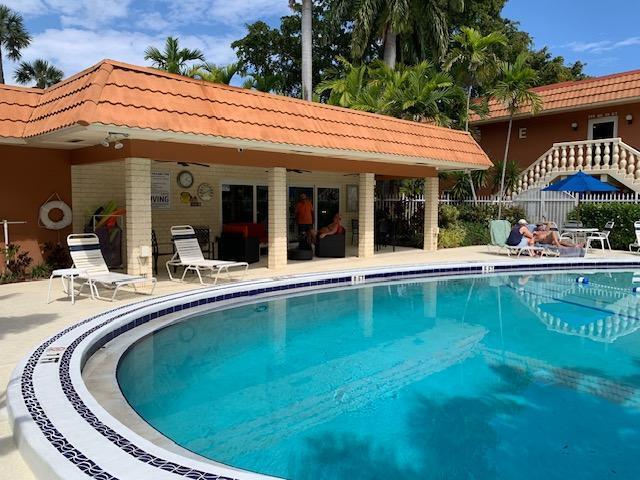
[{"x": 185, "y": 197}]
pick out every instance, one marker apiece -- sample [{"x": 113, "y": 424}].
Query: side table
[{"x": 68, "y": 274}]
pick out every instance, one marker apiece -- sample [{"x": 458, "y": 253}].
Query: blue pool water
[{"x": 504, "y": 377}]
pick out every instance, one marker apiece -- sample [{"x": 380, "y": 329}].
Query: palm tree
[
  {"x": 474, "y": 56},
  {"x": 307, "y": 42},
  {"x": 211, "y": 72},
  {"x": 421, "y": 93},
  {"x": 347, "y": 86},
  {"x": 39, "y": 71},
  {"x": 513, "y": 91},
  {"x": 173, "y": 59},
  {"x": 13, "y": 36},
  {"x": 263, "y": 83},
  {"x": 423, "y": 21},
  {"x": 511, "y": 175}
]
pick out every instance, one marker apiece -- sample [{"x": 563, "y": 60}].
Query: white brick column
[
  {"x": 365, "y": 215},
  {"x": 277, "y": 184},
  {"x": 137, "y": 184},
  {"x": 431, "y": 214}
]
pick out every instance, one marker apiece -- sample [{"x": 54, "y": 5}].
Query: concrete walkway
[{"x": 26, "y": 319}]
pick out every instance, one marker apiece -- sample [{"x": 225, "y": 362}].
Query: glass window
[
  {"x": 262, "y": 204},
  {"x": 328, "y": 205},
  {"x": 237, "y": 203}
]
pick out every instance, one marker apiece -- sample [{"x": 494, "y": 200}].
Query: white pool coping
[{"x": 64, "y": 433}]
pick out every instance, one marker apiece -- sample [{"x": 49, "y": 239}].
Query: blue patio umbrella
[{"x": 580, "y": 183}]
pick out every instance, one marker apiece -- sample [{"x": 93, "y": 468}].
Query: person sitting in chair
[
  {"x": 331, "y": 229},
  {"x": 520, "y": 235},
  {"x": 545, "y": 235}
]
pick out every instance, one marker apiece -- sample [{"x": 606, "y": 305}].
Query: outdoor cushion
[{"x": 233, "y": 228}]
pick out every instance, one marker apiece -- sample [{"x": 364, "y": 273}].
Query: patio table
[{"x": 578, "y": 232}]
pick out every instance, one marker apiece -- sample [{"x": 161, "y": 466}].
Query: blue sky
[{"x": 75, "y": 34}]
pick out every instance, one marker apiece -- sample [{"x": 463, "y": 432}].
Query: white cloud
[
  {"x": 602, "y": 46},
  {"x": 152, "y": 21},
  {"x": 73, "y": 49},
  {"x": 241, "y": 11},
  {"x": 26, "y": 7},
  {"x": 232, "y": 14},
  {"x": 85, "y": 13}
]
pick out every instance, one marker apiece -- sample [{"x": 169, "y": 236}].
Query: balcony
[{"x": 610, "y": 157}]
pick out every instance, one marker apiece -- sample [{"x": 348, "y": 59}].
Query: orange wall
[
  {"x": 28, "y": 176},
  {"x": 545, "y": 130}
]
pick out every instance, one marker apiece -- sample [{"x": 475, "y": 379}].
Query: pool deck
[{"x": 26, "y": 319}]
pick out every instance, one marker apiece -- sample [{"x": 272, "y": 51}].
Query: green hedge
[
  {"x": 467, "y": 224},
  {"x": 596, "y": 215}
]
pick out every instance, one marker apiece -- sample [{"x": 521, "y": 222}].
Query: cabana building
[{"x": 170, "y": 150}]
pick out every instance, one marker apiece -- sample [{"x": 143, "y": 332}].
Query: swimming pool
[{"x": 490, "y": 377}]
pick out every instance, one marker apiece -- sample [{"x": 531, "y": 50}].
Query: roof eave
[
  {"x": 553, "y": 111},
  {"x": 229, "y": 142}
]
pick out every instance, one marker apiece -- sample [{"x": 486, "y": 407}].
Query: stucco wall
[
  {"x": 545, "y": 130},
  {"x": 29, "y": 176}
]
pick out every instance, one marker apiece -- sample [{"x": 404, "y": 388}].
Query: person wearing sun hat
[{"x": 520, "y": 236}]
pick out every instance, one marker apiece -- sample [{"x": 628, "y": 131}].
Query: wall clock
[
  {"x": 185, "y": 179},
  {"x": 205, "y": 192}
]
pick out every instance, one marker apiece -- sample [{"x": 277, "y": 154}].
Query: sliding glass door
[
  {"x": 328, "y": 204},
  {"x": 245, "y": 203}
]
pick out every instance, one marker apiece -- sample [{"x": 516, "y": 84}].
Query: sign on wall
[{"x": 160, "y": 190}]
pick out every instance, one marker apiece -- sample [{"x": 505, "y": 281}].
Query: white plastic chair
[
  {"x": 85, "y": 252},
  {"x": 636, "y": 244},
  {"x": 189, "y": 255},
  {"x": 602, "y": 237}
]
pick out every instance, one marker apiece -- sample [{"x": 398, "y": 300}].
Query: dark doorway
[
  {"x": 328, "y": 205},
  {"x": 294, "y": 196},
  {"x": 603, "y": 130}
]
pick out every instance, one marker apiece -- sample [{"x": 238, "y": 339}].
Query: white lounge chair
[
  {"x": 602, "y": 237},
  {"x": 84, "y": 249},
  {"x": 636, "y": 244},
  {"x": 189, "y": 255}
]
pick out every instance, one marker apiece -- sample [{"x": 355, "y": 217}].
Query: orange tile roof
[
  {"x": 114, "y": 93},
  {"x": 591, "y": 92},
  {"x": 16, "y": 106}
]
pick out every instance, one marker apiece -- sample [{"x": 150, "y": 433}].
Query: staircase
[{"x": 610, "y": 157}]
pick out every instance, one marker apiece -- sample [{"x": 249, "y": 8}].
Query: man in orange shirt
[{"x": 304, "y": 214}]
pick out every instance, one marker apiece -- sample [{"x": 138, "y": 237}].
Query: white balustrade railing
[{"x": 613, "y": 155}]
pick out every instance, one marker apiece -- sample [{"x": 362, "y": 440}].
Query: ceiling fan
[{"x": 184, "y": 164}]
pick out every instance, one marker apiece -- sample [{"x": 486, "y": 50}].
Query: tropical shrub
[
  {"x": 56, "y": 255},
  {"x": 16, "y": 263},
  {"x": 447, "y": 215},
  {"x": 42, "y": 270},
  {"x": 596, "y": 215},
  {"x": 451, "y": 236},
  {"x": 467, "y": 224}
]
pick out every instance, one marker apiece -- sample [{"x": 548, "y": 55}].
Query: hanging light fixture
[{"x": 114, "y": 137}]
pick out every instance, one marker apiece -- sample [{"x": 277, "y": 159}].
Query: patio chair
[
  {"x": 189, "y": 255},
  {"x": 636, "y": 244},
  {"x": 499, "y": 231},
  {"x": 85, "y": 252},
  {"x": 601, "y": 237}
]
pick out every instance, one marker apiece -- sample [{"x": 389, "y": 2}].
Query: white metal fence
[{"x": 538, "y": 205}]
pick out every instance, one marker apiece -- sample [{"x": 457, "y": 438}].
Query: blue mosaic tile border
[{"x": 89, "y": 467}]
